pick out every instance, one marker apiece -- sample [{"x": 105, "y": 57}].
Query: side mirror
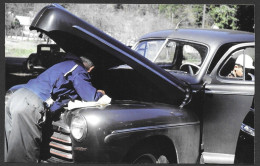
[{"x": 206, "y": 80}]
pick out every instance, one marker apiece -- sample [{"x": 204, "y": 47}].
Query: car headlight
[{"x": 78, "y": 127}]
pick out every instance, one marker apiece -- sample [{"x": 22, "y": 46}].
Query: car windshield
[
  {"x": 149, "y": 48},
  {"x": 173, "y": 54}
]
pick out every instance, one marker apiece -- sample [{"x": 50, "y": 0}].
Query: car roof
[{"x": 206, "y": 36}]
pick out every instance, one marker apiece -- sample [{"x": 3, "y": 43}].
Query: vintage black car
[
  {"x": 178, "y": 106},
  {"x": 46, "y": 56}
]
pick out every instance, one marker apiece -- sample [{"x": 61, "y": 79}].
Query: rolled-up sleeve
[{"x": 84, "y": 87}]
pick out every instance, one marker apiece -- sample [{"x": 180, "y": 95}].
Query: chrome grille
[{"x": 60, "y": 144}]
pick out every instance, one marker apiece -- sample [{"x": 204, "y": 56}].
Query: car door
[{"x": 227, "y": 102}]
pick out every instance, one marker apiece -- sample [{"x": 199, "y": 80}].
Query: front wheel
[
  {"x": 145, "y": 158},
  {"x": 147, "y": 155},
  {"x": 150, "y": 159}
]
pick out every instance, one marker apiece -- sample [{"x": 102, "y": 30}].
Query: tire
[
  {"x": 245, "y": 144},
  {"x": 145, "y": 159},
  {"x": 245, "y": 149},
  {"x": 30, "y": 62},
  {"x": 29, "y": 65},
  {"x": 147, "y": 155}
]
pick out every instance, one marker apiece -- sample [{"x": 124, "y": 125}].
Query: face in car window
[{"x": 240, "y": 65}]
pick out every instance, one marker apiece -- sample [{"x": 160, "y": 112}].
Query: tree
[
  {"x": 19, "y": 8},
  {"x": 224, "y": 16},
  {"x": 245, "y": 16},
  {"x": 129, "y": 21},
  {"x": 190, "y": 15},
  {"x": 12, "y": 25},
  {"x": 198, "y": 12}
]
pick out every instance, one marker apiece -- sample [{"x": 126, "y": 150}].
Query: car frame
[{"x": 158, "y": 115}]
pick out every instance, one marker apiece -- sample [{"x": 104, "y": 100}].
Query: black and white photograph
[{"x": 119, "y": 83}]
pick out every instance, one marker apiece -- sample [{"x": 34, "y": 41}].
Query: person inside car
[
  {"x": 51, "y": 90},
  {"x": 238, "y": 72}
]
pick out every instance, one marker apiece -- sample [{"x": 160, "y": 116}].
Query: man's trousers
[{"x": 22, "y": 131}]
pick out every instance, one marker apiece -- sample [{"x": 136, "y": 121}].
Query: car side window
[
  {"x": 240, "y": 65},
  {"x": 191, "y": 55},
  {"x": 167, "y": 53}
]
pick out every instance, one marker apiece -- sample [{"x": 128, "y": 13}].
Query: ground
[{"x": 18, "y": 47}]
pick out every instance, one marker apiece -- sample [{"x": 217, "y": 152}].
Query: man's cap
[{"x": 248, "y": 61}]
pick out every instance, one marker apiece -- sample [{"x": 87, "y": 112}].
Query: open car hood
[{"x": 75, "y": 35}]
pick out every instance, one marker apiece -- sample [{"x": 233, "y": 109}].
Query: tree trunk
[{"x": 203, "y": 17}]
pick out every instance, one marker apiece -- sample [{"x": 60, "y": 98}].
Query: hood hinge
[{"x": 188, "y": 97}]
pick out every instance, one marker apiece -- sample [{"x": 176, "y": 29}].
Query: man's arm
[{"x": 85, "y": 89}]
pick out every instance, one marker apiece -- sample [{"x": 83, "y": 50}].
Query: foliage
[
  {"x": 224, "y": 16},
  {"x": 19, "y": 8},
  {"x": 179, "y": 13},
  {"x": 12, "y": 25},
  {"x": 198, "y": 12},
  {"x": 127, "y": 22}
]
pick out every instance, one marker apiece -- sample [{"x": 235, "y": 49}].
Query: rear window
[{"x": 45, "y": 48}]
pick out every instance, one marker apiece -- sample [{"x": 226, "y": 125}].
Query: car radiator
[{"x": 60, "y": 144}]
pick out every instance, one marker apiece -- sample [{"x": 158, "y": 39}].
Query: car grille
[{"x": 60, "y": 144}]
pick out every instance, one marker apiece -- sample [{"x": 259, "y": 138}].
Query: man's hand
[{"x": 101, "y": 91}]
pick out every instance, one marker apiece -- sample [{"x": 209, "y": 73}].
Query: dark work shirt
[{"x": 63, "y": 89}]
